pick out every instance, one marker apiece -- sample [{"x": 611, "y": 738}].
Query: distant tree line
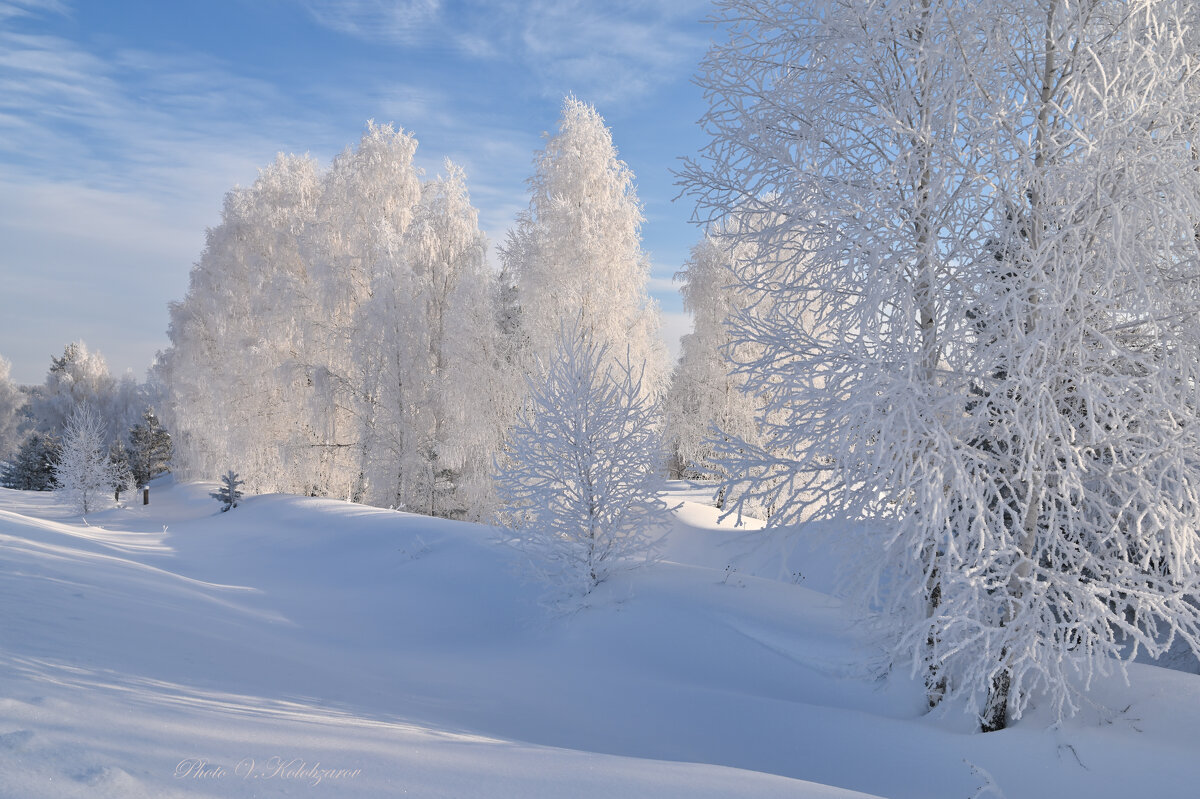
[{"x": 80, "y": 410}]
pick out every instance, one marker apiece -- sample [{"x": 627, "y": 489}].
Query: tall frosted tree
[
  {"x": 575, "y": 255},
  {"x": 356, "y": 244},
  {"x": 443, "y": 389},
  {"x": 991, "y": 220},
  {"x": 12, "y": 406},
  {"x": 237, "y": 391},
  {"x": 710, "y": 405}
]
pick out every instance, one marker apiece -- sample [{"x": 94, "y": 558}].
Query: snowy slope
[{"x": 175, "y": 651}]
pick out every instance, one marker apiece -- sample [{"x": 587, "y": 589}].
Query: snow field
[{"x": 306, "y": 647}]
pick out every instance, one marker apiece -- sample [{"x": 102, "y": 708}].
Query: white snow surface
[{"x": 315, "y": 648}]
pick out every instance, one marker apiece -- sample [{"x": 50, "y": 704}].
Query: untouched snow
[{"x": 304, "y": 647}]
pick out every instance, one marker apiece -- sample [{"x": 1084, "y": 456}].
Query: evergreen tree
[
  {"x": 229, "y": 494},
  {"x": 32, "y": 468},
  {"x": 150, "y": 449}
]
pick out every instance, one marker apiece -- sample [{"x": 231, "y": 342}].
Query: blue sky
[{"x": 124, "y": 122}]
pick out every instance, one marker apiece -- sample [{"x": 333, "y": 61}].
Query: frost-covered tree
[
  {"x": 12, "y": 405},
  {"x": 441, "y": 391},
  {"x": 575, "y": 255},
  {"x": 579, "y": 479},
  {"x": 84, "y": 473},
  {"x": 120, "y": 470},
  {"x": 368, "y": 199},
  {"x": 78, "y": 377},
  {"x": 32, "y": 468},
  {"x": 991, "y": 220},
  {"x": 239, "y": 385},
  {"x": 81, "y": 377},
  {"x": 708, "y": 402}
]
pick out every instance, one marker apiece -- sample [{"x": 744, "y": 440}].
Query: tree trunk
[
  {"x": 935, "y": 681},
  {"x": 995, "y": 713}
]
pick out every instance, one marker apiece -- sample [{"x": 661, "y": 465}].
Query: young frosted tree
[
  {"x": 230, "y": 493},
  {"x": 992, "y": 221},
  {"x": 84, "y": 473},
  {"x": 32, "y": 468},
  {"x": 576, "y": 256},
  {"x": 579, "y": 482}
]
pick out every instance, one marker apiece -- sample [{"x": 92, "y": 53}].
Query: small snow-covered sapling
[{"x": 228, "y": 494}]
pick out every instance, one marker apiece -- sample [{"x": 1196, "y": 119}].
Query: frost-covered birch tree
[
  {"x": 442, "y": 389},
  {"x": 575, "y": 255},
  {"x": 704, "y": 391},
  {"x": 236, "y": 390},
  {"x": 81, "y": 377},
  {"x": 579, "y": 478},
  {"x": 992, "y": 220},
  {"x": 368, "y": 199}
]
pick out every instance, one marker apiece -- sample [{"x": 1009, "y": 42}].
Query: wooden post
[{"x": 146, "y": 496}]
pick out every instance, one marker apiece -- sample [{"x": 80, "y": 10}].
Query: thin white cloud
[
  {"x": 662, "y": 285},
  {"x": 10, "y": 9},
  {"x": 379, "y": 20},
  {"x": 601, "y": 50},
  {"x": 609, "y": 51},
  {"x": 113, "y": 165}
]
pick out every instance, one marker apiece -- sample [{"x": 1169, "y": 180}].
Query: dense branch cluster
[{"x": 974, "y": 302}]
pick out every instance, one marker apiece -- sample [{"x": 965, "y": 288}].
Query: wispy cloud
[
  {"x": 603, "y": 50},
  {"x": 380, "y": 20},
  {"x": 128, "y": 121},
  {"x": 609, "y": 51},
  {"x": 10, "y": 9},
  {"x": 113, "y": 164}
]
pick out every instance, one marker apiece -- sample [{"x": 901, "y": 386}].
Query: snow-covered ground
[{"x": 304, "y": 647}]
